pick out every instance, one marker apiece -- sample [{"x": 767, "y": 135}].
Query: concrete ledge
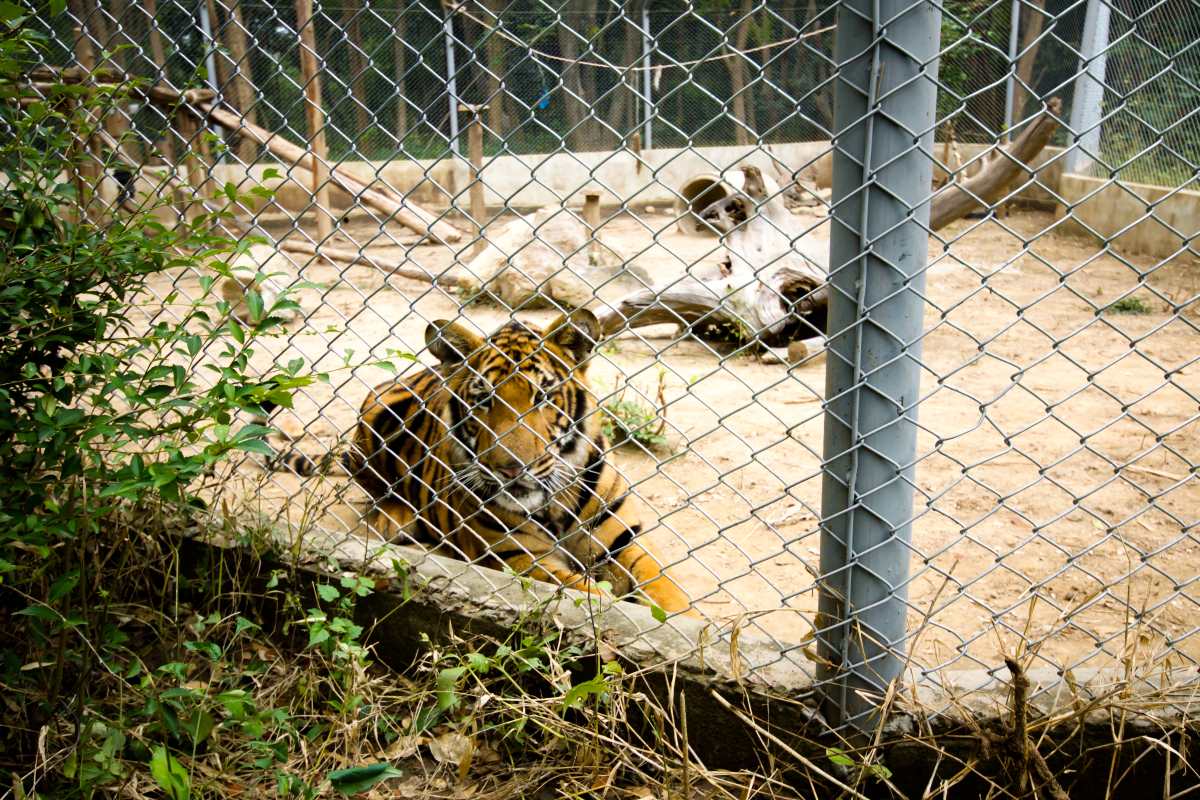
[
  {"x": 725, "y": 676},
  {"x": 1109, "y": 208}
]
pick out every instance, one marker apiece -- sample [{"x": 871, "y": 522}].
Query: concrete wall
[
  {"x": 531, "y": 181},
  {"x": 1107, "y": 210}
]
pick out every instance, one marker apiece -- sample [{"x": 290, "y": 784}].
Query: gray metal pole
[
  {"x": 451, "y": 81},
  {"x": 1087, "y": 106},
  {"x": 1010, "y": 89},
  {"x": 884, "y": 116},
  {"x": 210, "y": 63},
  {"x": 647, "y": 80}
]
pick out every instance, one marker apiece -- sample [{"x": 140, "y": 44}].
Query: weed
[
  {"x": 633, "y": 422},
  {"x": 1130, "y": 305}
]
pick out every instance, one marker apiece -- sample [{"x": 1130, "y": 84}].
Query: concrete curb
[{"x": 419, "y": 594}]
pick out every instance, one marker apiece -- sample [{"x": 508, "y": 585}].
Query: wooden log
[
  {"x": 46, "y": 79},
  {"x": 959, "y": 198},
  {"x": 311, "y": 78},
  {"x": 344, "y": 255},
  {"x": 775, "y": 295},
  {"x": 189, "y": 131},
  {"x": 89, "y": 169},
  {"x": 591, "y": 215},
  {"x": 475, "y": 153},
  {"x": 243, "y": 81},
  {"x": 406, "y": 212},
  {"x": 767, "y": 290}
]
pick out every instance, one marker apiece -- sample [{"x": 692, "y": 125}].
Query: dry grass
[{"x": 528, "y": 714}]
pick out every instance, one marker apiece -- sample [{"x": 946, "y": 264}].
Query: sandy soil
[{"x": 1025, "y": 525}]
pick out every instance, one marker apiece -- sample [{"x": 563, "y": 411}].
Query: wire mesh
[{"x": 1057, "y": 413}]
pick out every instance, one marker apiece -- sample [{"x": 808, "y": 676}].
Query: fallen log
[
  {"x": 545, "y": 258},
  {"x": 771, "y": 289},
  {"x": 350, "y": 257},
  {"x": 960, "y": 198},
  {"x": 406, "y": 213},
  {"x": 45, "y": 78}
]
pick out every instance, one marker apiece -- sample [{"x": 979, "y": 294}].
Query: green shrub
[{"x": 111, "y": 413}]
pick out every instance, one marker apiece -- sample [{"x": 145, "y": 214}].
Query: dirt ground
[{"x": 1057, "y": 493}]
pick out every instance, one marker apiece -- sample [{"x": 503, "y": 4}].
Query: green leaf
[
  {"x": 63, "y": 586},
  {"x": 12, "y": 14},
  {"x": 447, "y": 685},
  {"x": 580, "y": 692},
  {"x": 479, "y": 663},
  {"x": 254, "y": 303},
  {"x": 39, "y": 612},
  {"x": 658, "y": 613},
  {"x": 256, "y": 446},
  {"x": 236, "y": 702},
  {"x": 170, "y": 775},
  {"x": 57, "y": 7},
  {"x": 838, "y": 756},
  {"x": 317, "y": 635},
  {"x": 328, "y": 593},
  {"x": 199, "y": 726},
  {"x": 361, "y": 779},
  {"x": 210, "y": 649}
]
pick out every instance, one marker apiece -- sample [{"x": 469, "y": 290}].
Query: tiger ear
[
  {"x": 450, "y": 342},
  {"x": 576, "y": 334}
]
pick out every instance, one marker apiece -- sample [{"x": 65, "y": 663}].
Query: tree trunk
[
  {"x": 741, "y": 93},
  {"x": 625, "y": 99},
  {"x": 823, "y": 97},
  {"x": 236, "y": 39},
  {"x": 96, "y": 26},
  {"x": 495, "y": 66},
  {"x": 1032, "y": 20},
  {"x": 400, "y": 57},
  {"x": 358, "y": 66},
  {"x": 224, "y": 68},
  {"x": 572, "y": 88},
  {"x": 578, "y": 101}
]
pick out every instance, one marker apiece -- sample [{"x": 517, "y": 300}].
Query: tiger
[{"x": 498, "y": 455}]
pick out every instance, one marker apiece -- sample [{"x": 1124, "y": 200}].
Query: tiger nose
[{"x": 510, "y": 470}]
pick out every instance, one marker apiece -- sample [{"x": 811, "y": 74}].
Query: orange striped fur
[{"x": 497, "y": 455}]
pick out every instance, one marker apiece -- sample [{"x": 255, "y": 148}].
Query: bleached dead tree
[
  {"x": 771, "y": 287},
  {"x": 768, "y": 288}
]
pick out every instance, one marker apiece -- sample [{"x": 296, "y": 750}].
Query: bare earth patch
[{"x": 1032, "y": 400}]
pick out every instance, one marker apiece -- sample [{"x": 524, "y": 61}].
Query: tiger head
[{"x": 521, "y": 415}]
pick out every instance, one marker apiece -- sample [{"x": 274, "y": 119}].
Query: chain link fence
[{"x": 869, "y": 394}]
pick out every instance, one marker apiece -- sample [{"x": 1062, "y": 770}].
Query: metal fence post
[
  {"x": 647, "y": 79},
  {"x": 1088, "y": 102},
  {"x": 884, "y": 121},
  {"x": 451, "y": 77},
  {"x": 1010, "y": 84},
  {"x": 210, "y": 60}
]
